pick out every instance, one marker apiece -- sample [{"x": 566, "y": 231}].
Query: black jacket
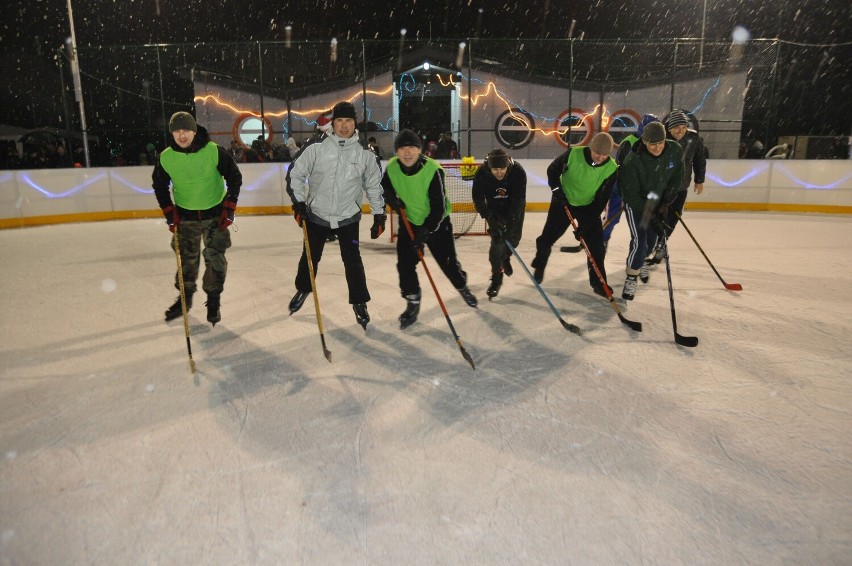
[
  {"x": 503, "y": 200},
  {"x": 693, "y": 158}
]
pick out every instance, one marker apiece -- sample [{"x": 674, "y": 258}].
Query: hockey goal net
[{"x": 458, "y": 178}]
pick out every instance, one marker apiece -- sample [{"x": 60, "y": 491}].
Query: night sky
[{"x": 169, "y": 21}]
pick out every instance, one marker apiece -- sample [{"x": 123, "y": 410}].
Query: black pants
[
  {"x": 443, "y": 248},
  {"x": 350, "y": 253},
  {"x": 557, "y": 223},
  {"x": 498, "y": 251}
]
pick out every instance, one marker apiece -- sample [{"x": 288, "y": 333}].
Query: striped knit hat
[{"x": 676, "y": 118}]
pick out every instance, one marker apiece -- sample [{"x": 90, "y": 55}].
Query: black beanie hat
[
  {"x": 654, "y": 132},
  {"x": 182, "y": 121},
  {"x": 407, "y": 138},
  {"x": 343, "y": 110},
  {"x": 498, "y": 159}
]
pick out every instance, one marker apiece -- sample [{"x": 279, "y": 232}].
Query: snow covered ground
[{"x": 614, "y": 447}]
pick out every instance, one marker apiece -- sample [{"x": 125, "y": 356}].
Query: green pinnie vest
[
  {"x": 196, "y": 181},
  {"x": 414, "y": 189},
  {"x": 580, "y": 181}
]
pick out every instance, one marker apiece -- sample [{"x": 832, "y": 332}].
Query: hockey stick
[
  {"x": 609, "y": 221},
  {"x": 728, "y": 286},
  {"x": 183, "y": 299},
  {"x": 569, "y": 327},
  {"x": 325, "y": 350},
  {"x": 688, "y": 341},
  {"x": 410, "y": 231},
  {"x": 637, "y": 326}
]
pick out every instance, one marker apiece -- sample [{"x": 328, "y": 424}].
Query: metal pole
[
  {"x": 78, "y": 86},
  {"x": 674, "y": 77},
  {"x": 469, "y": 95},
  {"x": 65, "y": 111},
  {"x": 260, "y": 78},
  {"x": 701, "y": 50},
  {"x": 364, "y": 89},
  {"x": 162, "y": 101}
]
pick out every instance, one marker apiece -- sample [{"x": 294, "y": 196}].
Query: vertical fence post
[
  {"x": 674, "y": 77},
  {"x": 469, "y": 95},
  {"x": 364, "y": 88},
  {"x": 162, "y": 100},
  {"x": 260, "y": 78}
]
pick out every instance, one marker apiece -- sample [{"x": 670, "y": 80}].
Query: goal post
[{"x": 458, "y": 180}]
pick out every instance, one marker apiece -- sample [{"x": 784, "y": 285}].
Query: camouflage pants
[{"x": 191, "y": 233}]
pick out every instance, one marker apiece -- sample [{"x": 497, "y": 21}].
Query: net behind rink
[{"x": 458, "y": 179}]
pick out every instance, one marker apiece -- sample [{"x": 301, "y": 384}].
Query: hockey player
[
  {"x": 415, "y": 183},
  {"x": 500, "y": 195},
  {"x": 581, "y": 179},
  {"x": 694, "y": 161},
  {"x": 326, "y": 185},
  {"x": 649, "y": 179},
  {"x": 205, "y": 183}
]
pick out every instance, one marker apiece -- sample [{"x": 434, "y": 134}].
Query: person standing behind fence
[
  {"x": 581, "y": 179},
  {"x": 205, "y": 182},
  {"x": 415, "y": 182},
  {"x": 649, "y": 179},
  {"x": 500, "y": 196},
  {"x": 326, "y": 184},
  {"x": 694, "y": 161}
]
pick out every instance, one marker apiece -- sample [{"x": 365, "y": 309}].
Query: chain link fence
[{"x": 533, "y": 97}]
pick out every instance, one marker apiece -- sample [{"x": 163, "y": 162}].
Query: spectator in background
[
  {"x": 62, "y": 159},
  {"x": 446, "y": 147},
  {"x": 373, "y": 146}
]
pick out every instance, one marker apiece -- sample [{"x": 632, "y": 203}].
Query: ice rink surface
[{"x": 614, "y": 447}]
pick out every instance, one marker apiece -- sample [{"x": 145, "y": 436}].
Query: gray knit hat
[
  {"x": 182, "y": 121},
  {"x": 602, "y": 143},
  {"x": 654, "y": 132},
  {"x": 676, "y": 118}
]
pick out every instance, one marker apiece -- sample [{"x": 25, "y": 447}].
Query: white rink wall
[{"x": 50, "y": 196}]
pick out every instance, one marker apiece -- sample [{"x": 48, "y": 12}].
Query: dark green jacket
[{"x": 642, "y": 175}]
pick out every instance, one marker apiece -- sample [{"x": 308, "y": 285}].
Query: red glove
[
  {"x": 172, "y": 217},
  {"x": 226, "y": 217}
]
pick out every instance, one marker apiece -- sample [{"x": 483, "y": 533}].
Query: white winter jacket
[{"x": 331, "y": 177}]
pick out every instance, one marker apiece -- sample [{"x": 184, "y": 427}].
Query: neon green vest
[
  {"x": 580, "y": 181},
  {"x": 414, "y": 189},
  {"x": 196, "y": 181}
]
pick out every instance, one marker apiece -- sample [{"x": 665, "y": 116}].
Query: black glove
[
  {"x": 579, "y": 233},
  {"x": 378, "y": 226},
  {"x": 172, "y": 217},
  {"x": 420, "y": 237},
  {"x": 300, "y": 212},
  {"x": 226, "y": 217},
  {"x": 559, "y": 197},
  {"x": 496, "y": 225}
]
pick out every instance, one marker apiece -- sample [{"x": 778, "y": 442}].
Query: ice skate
[
  {"x": 412, "y": 309},
  {"x": 494, "y": 287},
  {"x": 361, "y": 314},
  {"x": 176, "y": 310},
  {"x": 629, "y": 290},
  {"x": 298, "y": 300},
  {"x": 213, "y": 314}
]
